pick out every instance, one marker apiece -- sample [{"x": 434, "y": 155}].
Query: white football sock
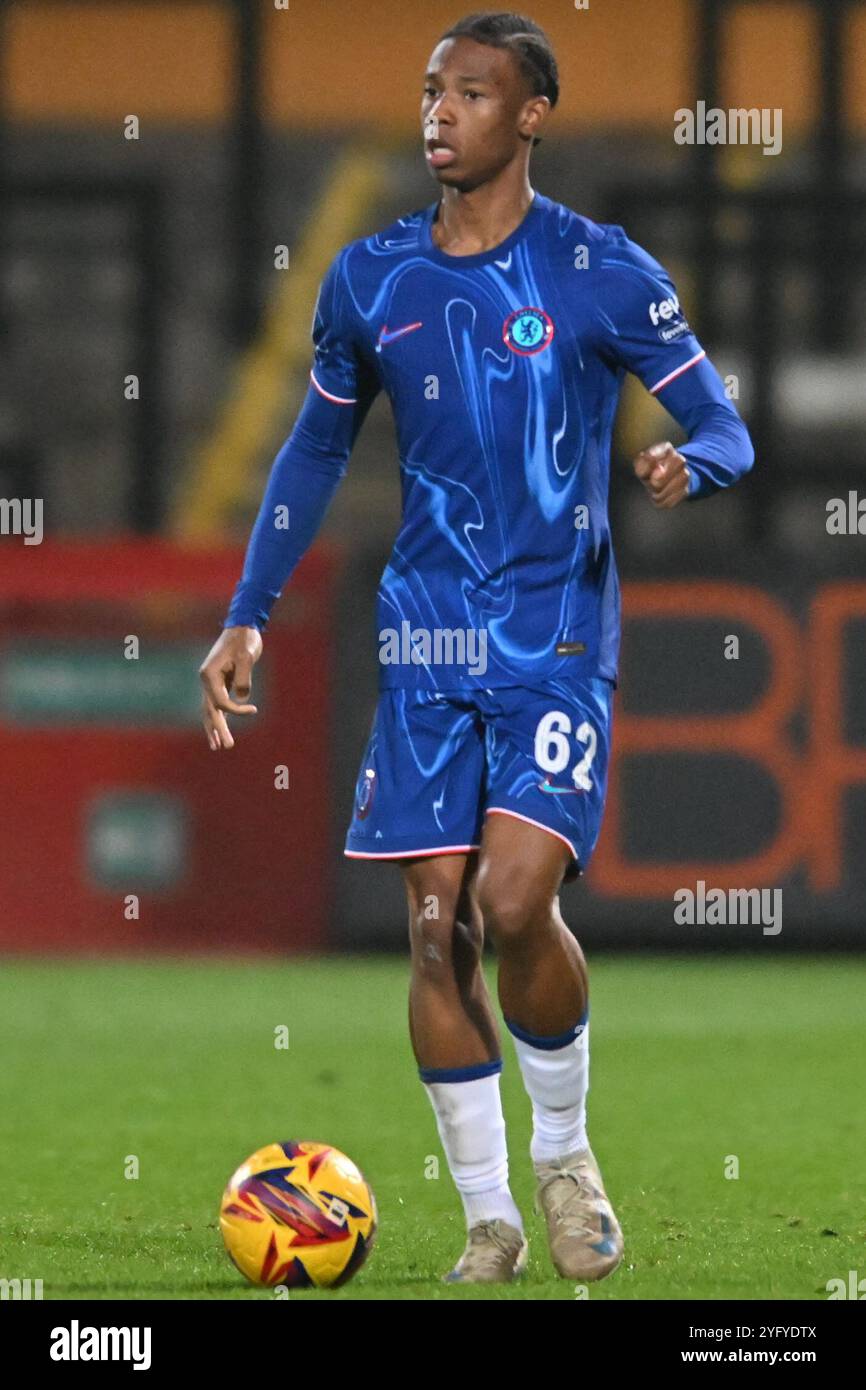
[
  {"x": 556, "y": 1082},
  {"x": 472, "y": 1129}
]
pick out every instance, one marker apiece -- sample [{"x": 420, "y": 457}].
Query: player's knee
[
  {"x": 511, "y": 905},
  {"x": 444, "y": 944},
  {"x": 432, "y": 950},
  {"x": 442, "y": 951}
]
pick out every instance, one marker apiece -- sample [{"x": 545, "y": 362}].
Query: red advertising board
[{"x": 122, "y": 831}]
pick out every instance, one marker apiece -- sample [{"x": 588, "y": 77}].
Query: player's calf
[
  {"x": 451, "y": 1016},
  {"x": 456, "y": 1042}
]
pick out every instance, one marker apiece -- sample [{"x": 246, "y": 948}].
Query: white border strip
[
  {"x": 501, "y": 811},
  {"x": 410, "y": 853},
  {"x": 338, "y": 400},
  {"x": 678, "y": 372}
]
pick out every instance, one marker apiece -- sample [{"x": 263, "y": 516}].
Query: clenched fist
[{"x": 664, "y": 473}]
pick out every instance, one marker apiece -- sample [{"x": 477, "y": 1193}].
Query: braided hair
[{"x": 522, "y": 37}]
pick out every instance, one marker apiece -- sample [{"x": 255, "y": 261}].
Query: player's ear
[{"x": 533, "y": 118}]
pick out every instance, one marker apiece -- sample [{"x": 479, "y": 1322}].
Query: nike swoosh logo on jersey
[{"x": 387, "y": 336}]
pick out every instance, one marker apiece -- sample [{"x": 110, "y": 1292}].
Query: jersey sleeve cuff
[
  {"x": 249, "y": 610},
  {"x": 700, "y": 482}
]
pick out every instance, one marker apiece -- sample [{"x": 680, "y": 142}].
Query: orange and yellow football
[{"x": 299, "y": 1215}]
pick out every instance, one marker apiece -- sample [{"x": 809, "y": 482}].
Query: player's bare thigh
[{"x": 519, "y": 874}]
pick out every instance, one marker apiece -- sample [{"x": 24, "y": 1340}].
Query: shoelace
[
  {"x": 560, "y": 1202},
  {"x": 479, "y": 1253}
]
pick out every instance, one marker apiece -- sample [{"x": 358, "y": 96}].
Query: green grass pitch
[{"x": 174, "y": 1062}]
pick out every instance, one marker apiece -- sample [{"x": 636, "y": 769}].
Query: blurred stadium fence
[{"x": 155, "y": 257}]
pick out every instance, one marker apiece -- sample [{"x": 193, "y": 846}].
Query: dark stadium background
[{"x": 154, "y": 257}]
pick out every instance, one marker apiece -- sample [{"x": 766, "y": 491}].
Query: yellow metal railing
[{"x": 223, "y": 472}]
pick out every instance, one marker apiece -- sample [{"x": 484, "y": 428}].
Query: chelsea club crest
[
  {"x": 527, "y": 331},
  {"x": 365, "y": 793}
]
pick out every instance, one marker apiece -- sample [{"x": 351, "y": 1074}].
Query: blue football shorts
[{"x": 438, "y": 762}]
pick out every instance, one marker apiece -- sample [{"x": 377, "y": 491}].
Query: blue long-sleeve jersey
[{"x": 504, "y": 372}]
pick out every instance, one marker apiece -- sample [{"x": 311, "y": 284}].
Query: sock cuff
[
  {"x": 430, "y": 1075},
  {"x": 550, "y": 1044}
]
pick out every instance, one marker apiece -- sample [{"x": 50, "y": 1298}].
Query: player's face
[{"x": 476, "y": 107}]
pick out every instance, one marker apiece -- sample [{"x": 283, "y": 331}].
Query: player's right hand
[{"x": 227, "y": 671}]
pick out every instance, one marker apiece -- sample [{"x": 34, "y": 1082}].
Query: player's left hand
[{"x": 664, "y": 473}]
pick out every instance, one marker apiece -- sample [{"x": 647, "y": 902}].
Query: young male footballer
[{"x": 500, "y": 324}]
